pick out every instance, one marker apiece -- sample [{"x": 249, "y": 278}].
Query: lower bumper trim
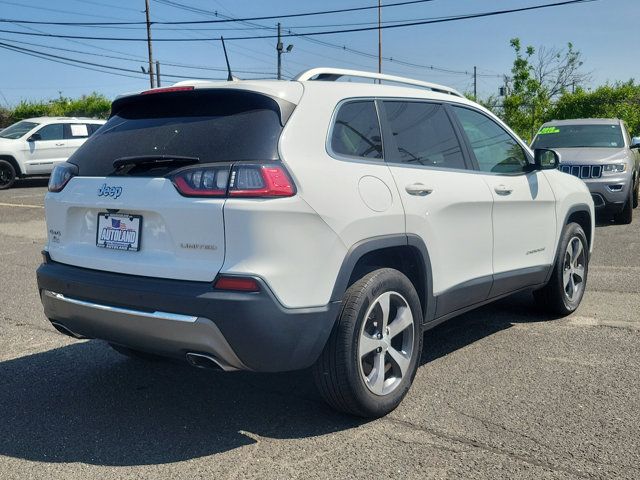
[
  {"x": 167, "y": 334},
  {"x": 137, "y": 313}
]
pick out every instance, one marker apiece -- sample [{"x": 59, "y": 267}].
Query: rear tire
[
  {"x": 372, "y": 355},
  {"x": 7, "y": 175},
  {"x": 564, "y": 291},
  {"x": 135, "y": 354},
  {"x": 625, "y": 217}
]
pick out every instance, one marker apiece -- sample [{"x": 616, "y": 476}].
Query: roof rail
[{"x": 333, "y": 74}]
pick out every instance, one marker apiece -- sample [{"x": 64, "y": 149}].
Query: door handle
[
  {"x": 503, "y": 190},
  {"x": 59, "y": 144},
  {"x": 418, "y": 189}
]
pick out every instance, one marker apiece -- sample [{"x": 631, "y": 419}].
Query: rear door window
[
  {"x": 211, "y": 125},
  {"x": 356, "y": 131},
  {"x": 74, "y": 131},
  {"x": 423, "y": 135}
]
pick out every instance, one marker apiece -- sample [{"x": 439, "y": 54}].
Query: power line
[
  {"x": 197, "y": 10},
  {"x": 132, "y": 59},
  {"x": 318, "y": 33},
  {"x": 66, "y": 12},
  {"x": 88, "y": 65}
]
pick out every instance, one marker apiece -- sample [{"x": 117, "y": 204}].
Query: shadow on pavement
[
  {"x": 86, "y": 403},
  {"x": 31, "y": 182},
  {"x": 480, "y": 323}
]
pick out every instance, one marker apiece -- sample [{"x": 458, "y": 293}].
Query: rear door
[
  {"x": 524, "y": 218},
  {"x": 49, "y": 149},
  {"x": 75, "y": 134},
  {"x": 180, "y": 236},
  {"x": 446, "y": 203}
]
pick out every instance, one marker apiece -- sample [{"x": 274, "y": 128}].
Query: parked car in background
[
  {"x": 270, "y": 226},
  {"x": 601, "y": 152},
  {"x": 34, "y": 146}
]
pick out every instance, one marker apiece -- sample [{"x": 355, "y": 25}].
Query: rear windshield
[
  {"x": 17, "y": 130},
  {"x": 210, "y": 125},
  {"x": 579, "y": 136}
]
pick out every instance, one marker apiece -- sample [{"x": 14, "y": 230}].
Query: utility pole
[
  {"x": 157, "y": 73},
  {"x": 475, "y": 83},
  {"x": 146, "y": 11},
  {"x": 379, "y": 36}
]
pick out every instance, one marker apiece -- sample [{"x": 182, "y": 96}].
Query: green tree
[
  {"x": 94, "y": 105},
  {"x": 620, "y": 100},
  {"x": 537, "y": 79}
]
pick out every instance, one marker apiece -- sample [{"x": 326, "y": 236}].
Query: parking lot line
[{"x": 20, "y": 205}]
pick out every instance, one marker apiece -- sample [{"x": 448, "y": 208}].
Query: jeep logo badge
[{"x": 107, "y": 191}]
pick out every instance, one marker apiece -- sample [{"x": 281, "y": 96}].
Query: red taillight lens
[
  {"x": 202, "y": 181},
  {"x": 238, "y": 284},
  {"x": 266, "y": 180}
]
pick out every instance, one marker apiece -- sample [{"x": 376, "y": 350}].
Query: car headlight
[{"x": 615, "y": 168}]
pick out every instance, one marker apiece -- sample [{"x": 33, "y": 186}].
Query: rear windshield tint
[
  {"x": 211, "y": 125},
  {"x": 579, "y": 136}
]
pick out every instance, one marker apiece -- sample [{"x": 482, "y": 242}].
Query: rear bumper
[{"x": 246, "y": 331}]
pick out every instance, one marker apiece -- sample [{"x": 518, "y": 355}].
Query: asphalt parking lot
[{"x": 503, "y": 392}]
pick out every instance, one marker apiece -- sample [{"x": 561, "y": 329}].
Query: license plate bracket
[{"x": 119, "y": 231}]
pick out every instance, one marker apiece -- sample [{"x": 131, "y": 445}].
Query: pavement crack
[{"x": 499, "y": 451}]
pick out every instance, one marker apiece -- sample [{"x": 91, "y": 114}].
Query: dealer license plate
[{"x": 119, "y": 231}]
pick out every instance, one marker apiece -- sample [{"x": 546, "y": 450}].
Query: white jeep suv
[
  {"x": 35, "y": 145},
  {"x": 280, "y": 225}
]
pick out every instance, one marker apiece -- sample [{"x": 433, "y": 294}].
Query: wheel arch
[
  {"x": 14, "y": 163},
  {"x": 405, "y": 253},
  {"x": 581, "y": 215}
]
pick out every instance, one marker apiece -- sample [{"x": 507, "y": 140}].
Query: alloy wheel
[
  {"x": 385, "y": 345},
  {"x": 573, "y": 269}
]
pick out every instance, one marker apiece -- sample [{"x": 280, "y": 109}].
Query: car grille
[{"x": 582, "y": 171}]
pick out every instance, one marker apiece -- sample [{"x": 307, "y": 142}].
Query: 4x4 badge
[{"x": 107, "y": 191}]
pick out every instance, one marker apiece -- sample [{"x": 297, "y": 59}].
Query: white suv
[
  {"x": 280, "y": 225},
  {"x": 35, "y": 145}
]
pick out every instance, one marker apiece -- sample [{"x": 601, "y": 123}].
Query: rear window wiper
[{"x": 155, "y": 160}]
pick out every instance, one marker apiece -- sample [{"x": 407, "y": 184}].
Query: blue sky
[{"x": 606, "y": 31}]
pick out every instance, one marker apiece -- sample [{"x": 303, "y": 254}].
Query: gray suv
[{"x": 601, "y": 152}]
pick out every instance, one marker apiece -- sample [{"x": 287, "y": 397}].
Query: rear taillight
[
  {"x": 241, "y": 180},
  {"x": 202, "y": 181},
  {"x": 61, "y": 175},
  {"x": 267, "y": 180},
  {"x": 238, "y": 284}
]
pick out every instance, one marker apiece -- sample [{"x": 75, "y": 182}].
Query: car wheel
[
  {"x": 564, "y": 291},
  {"x": 7, "y": 175},
  {"x": 625, "y": 217},
  {"x": 372, "y": 355},
  {"x": 135, "y": 354},
  {"x": 636, "y": 193}
]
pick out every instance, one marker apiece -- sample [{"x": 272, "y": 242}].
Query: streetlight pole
[{"x": 279, "y": 49}]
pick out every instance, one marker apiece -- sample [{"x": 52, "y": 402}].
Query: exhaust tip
[
  {"x": 200, "y": 360},
  {"x": 65, "y": 331}
]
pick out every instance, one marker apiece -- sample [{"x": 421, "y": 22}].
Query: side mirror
[
  {"x": 546, "y": 159},
  {"x": 635, "y": 142},
  {"x": 34, "y": 137}
]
